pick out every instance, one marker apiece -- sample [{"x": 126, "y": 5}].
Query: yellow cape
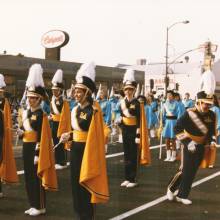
[
  {"x": 46, "y": 167},
  {"x": 8, "y": 172},
  {"x": 93, "y": 175},
  {"x": 65, "y": 120},
  {"x": 145, "y": 156}
]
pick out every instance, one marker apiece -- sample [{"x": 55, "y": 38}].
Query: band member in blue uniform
[
  {"x": 90, "y": 189},
  {"x": 188, "y": 103},
  {"x": 170, "y": 114},
  {"x": 130, "y": 125},
  {"x": 8, "y": 173},
  {"x": 39, "y": 171},
  {"x": 195, "y": 129}
]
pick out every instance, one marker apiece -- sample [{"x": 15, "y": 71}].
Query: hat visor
[
  {"x": 2, "y": 89},
  {"x": 56, "y": 87},
  {"x": 207, "y": 101},
  {"x": 82, "y": 86},
  {"x": 128, "y": 87},
  {"x": 33, "y": 94}
]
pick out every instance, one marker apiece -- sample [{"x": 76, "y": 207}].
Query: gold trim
[
  {"x": 30, "y": 136},
  {"x": 129, "y": 121},
  {"x": 82, "y": 86},
  {"x": 55, "y": 117},
  {"x": 80, "y": 136}
]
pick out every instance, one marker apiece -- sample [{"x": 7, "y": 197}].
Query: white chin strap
[{"x": 201, "y": 108}]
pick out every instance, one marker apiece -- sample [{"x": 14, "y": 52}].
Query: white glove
[
  {"x": 192, "y": 146},
  {"x": 37, "y": 146},
  {"x": 65, "y": 137},
  {"x": 49, "y": 117},
  {"x": 36, "y": 158},
  {"x": 20, "y": 132},
  {"x": 118, "y": 120}
]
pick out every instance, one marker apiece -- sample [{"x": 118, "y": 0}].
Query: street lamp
[{"x": 167, "y": 40}]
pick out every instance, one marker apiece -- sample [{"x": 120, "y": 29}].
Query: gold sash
[
  {"x": 129, "y": 121},
  {"x": 80, "y": 136},
  {"x": 30, "y": 136},
  {"x": 56, "y": 117}
]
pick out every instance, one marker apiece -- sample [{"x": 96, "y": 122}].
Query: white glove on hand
[
  {"x": 192, "y": 146},
  {"x": 36, "y": 158},
  {"x": 64, "y": 137},
  {"x": 37, "y": 146},
  {"x": 20, "y": 132},
  {"x": 118, "y": 120}
]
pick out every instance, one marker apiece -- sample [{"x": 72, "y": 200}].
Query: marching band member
[
  {"x": 8, "y": 173},
  {"x": 130, "y": 125},
  {"x": 170, "y": 113},
  {"x": 195, "y": 129},
  {"x": 87, "y": 163},
  {"x": 39, "y": 170},
  {"x": 187, "y": 102},
  {"x": 60, "y": 118}
]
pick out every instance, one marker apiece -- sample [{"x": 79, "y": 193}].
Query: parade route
[{"x": 145, "y": 202}]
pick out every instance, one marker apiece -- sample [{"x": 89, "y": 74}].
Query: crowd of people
[{"x": 82, "y": 122}]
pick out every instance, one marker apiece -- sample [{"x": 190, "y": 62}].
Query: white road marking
[
  {"x": 160, "y": 199},
  {"x": 21, "y": 172}
]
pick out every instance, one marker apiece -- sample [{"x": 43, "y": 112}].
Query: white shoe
[
  {"x": 173, "y": 156},
  {"x": 184, "y": 201},
  {"x": 1, "y": 195},
  {"x": 125, "y": 183},
  {"x": 60, "y": 167},
  {"x": 170, "y": 195},
  {"x": 36, "y": 212},
  {"x": 131, "y": 185},
  {"x": 28, "y": 211},
  {"x": 211, "y": 166},
  {"x": 168, "y": 155}
]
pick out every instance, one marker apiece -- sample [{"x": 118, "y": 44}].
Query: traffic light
[
  {"x": 151, "y": 84},
  {"x": 177, "y": 86}
]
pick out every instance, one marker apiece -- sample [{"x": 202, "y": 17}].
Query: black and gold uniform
[
  {"x": 32, "y": 125},
  {"x": 56, "y": 108},
  {"x": 195, "y": 127},
  {"x": 81, "y": 118},
  {"x": 130, "y": 113}
]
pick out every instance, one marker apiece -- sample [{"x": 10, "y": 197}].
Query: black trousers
[
  {"x": 60, "y": 153},
  {"x": 183, "y": 179},
  {"x": 130, "y": 152},
  {"x": 81, "y": 197},
  {"x": 35, "y": 191}
]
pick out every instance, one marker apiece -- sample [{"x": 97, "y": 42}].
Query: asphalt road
[{"x": 153, "y": 180}]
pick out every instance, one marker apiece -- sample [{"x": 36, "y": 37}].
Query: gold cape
[
  {"x": 8, "y": 171},
  {"x": 46, "y": 166},
  {"x": 93, "y": 175},
  {"x": 145, "y": 156}
]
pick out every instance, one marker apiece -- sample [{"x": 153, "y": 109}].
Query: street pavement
[{"x": 145, "y": 202}]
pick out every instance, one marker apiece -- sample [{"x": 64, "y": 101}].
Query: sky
[{"x": 109, "y": 32}]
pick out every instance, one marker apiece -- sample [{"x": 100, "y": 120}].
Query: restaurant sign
[{"x": 54, "y": 39}]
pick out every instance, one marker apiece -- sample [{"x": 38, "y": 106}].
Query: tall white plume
[
  {"x": 99, "y": 91},
  {"x": 208, "y": 82},
  {"x": 2, "y": 81},
  {"x": 137, "y": 92},
  {"x": 112, "y": 92},
  {"x": 86, "y": 69},
  {"x": 35, "y": 76},
  {"x": 58, "y": 77},
  {"x": 129, "y": 76}
]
